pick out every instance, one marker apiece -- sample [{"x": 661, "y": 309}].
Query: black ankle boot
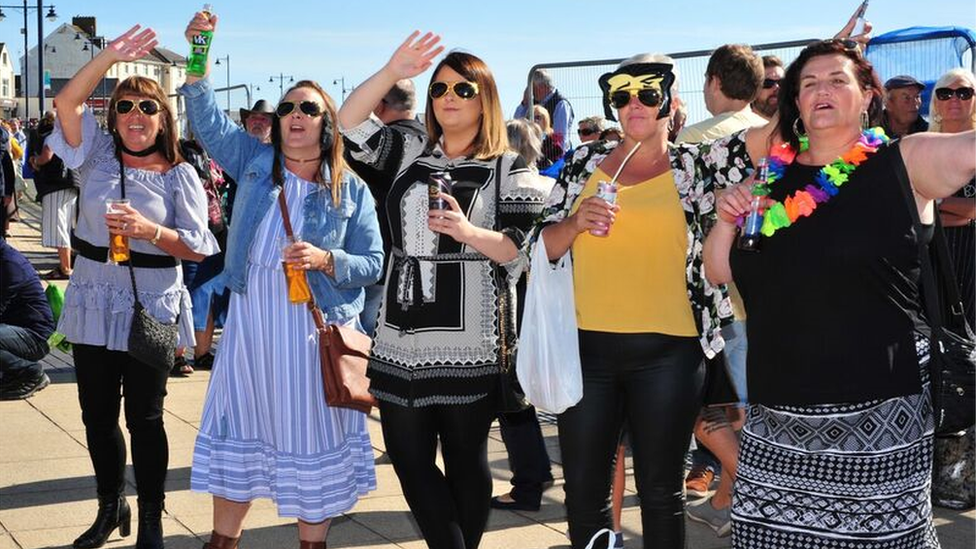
[
  {"x": 150, "y": 525},
  {"x": 113, "y": 512}
]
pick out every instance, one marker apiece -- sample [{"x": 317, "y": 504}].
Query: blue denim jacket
[{"x": 350, "y": 231}]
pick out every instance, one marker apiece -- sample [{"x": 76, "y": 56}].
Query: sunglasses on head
[
  {"x": 464, "y": 90},
  {"x": 770, "y": 83},
  {"x": 147, "y": 106},
  {"x": 945, "y": 94},
  {"x": 648, "y": 97},
  {"x": 586, "y": 132},
  {"x": 310, "y": 108}
]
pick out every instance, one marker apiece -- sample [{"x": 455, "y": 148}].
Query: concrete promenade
[{"x": 47, "y": 488}]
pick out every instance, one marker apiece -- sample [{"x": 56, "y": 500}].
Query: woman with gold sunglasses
[
  {"x": 266, "y": 430},
  {"x": 434, "y": 364},
  {"x": 163, "y": 221},
  {"x": 646, "y": 315}
]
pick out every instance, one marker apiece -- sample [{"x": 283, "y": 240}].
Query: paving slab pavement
[{"x": 47, "y": 495}]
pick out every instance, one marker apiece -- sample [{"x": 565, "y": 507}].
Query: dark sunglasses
[
  {"x": 464, "y": 90},
  {"x": 770, "y": 83},
  {"x": 147, "y": 106},
  {"x": 310, "y": 108},
  {"x": 586, "y": 132},
  {"x": 945, "y": 94},
  {"x": 647, "y": 97}
]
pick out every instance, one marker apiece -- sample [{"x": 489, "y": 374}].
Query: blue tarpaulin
[{"x": 925, "y": 53}]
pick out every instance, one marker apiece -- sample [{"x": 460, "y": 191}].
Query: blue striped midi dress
[{"x": 266, "y": 431}]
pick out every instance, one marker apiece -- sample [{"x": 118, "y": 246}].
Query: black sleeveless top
[{"x": 833, "y": 300}]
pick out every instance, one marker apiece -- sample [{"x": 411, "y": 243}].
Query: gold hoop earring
[{"x": 796, "y": 129}]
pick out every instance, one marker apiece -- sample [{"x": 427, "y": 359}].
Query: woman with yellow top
[{"x": 646, "y": 315}]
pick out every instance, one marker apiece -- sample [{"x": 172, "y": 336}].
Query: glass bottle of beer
[{"x": 750, "y": 237}]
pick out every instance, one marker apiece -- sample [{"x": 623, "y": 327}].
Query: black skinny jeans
[
  {"x": 103, "y": 378},
  {"x": 452, "y": 507},
  {"x": 655, "y": 382}
]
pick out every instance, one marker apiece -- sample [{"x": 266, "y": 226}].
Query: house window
[
  {"x": 126, "y": 69},
  {"x": 6, "y": 88}
]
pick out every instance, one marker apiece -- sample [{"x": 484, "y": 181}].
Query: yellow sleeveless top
[{"x": 633, "y": 281}]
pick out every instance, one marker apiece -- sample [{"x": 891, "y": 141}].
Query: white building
[
  {"x": 8, "y": 99},
  {"x": 71, "y": 45}
]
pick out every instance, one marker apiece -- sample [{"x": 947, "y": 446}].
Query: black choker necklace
[{"x": 144, "y": 152}]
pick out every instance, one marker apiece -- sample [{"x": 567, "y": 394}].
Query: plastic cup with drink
[
  {"x": 118, "y": 244},
  {"x": 295, "y": 277}
]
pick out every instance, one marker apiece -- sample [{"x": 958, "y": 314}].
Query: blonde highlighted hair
[{"x": 955, "y": 74}]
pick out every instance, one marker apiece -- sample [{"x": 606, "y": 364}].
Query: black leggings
[
  {"x": 451, "y": 508},
  {"x": 103, "y": 378},
  {"x": 655, "y": 382}
]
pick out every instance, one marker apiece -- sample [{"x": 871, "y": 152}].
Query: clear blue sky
[{"x": 331, "y": 39}]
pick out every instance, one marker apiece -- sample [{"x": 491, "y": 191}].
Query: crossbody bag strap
[
  {"x": 132, "y": 272},
  {"x": 317, "y": 315}
]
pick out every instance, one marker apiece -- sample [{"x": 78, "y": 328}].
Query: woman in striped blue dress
[{"x": 266, "y": 431}]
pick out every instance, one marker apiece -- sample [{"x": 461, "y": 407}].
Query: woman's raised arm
[{"x": 132, "y": 45}]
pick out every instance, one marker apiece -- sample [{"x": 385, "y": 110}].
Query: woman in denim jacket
[{"x": 266, "y": 431}]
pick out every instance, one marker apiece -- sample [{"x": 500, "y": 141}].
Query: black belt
[{"x": 141, "y": 260}]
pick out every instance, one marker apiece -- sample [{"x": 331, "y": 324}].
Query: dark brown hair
[
  {"x": 330, "y": 141},
  {"x": 789, "y": 86},
  {"x": 140, "y": 86},
  {"x": 492, "y": 139},
  {"x": 739, "y": 70}
]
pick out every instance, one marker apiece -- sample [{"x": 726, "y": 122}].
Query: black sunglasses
[
  {"x": 310, "y": 108},
  {"x": 770, "y": 83},
  {"x": 586, "y": 132},
  {"x": 647, "y": 97},
  {"x": 945, "y": 94},
  {"x": 147, "y": 106},
  {"x": 464, "y": 90}
]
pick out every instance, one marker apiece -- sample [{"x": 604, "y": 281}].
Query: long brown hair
[
  {"x": 330, "y": 141},
  {"x": 140, "y": 86},
  {"x": 492, "y": 138}
]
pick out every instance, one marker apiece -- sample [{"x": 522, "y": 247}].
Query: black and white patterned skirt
[{"x": 837, "y": 475}]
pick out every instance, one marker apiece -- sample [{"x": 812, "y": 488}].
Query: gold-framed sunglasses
[
  {"x": 148, "y": 107},
  {"x": 309, "y": 108},
  {"x": 463, "y": 89}
]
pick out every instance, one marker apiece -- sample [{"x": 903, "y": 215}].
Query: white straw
[{"x": 624, "y": 163}]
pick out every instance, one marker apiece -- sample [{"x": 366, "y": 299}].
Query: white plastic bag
[
  {"x": 548, "y": 364},
  {"x": 607, "y": 533}
]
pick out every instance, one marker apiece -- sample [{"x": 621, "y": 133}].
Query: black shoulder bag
[
  {"x": 150, "y": 341},
  {"x": 952, "y": 362},
  {"x": 511, "y": 397}
]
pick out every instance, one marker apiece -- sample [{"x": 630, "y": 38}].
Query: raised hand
[
  {"x": 133, "y": 44},
  {"x": 414, "y": 56},
  {"x": 201, "y": 22},
  {"x": 848, "y": 29}
]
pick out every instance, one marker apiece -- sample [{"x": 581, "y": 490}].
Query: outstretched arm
[
  {"x": 412, "y": 58},
  {"x": 939, "y": 164},
  {"x": 133, "y": 45}
]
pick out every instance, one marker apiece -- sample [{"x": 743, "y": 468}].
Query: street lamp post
[
  {"x": 341, "y": 81},
  {"x": 25, "y": 70},
  {"x": 226, "y": 60},
  {"x": 90, "y": 45},
  {"x": 281, "y": 82},
  {"x": 51, "y": 16}
]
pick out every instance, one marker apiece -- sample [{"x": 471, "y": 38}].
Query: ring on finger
[{"x": 125, "y": 226}]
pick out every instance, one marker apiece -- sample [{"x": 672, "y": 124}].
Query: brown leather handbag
[{"x": 343, "y": 352}]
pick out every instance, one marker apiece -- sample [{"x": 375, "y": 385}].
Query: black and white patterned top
[
  {"x": 436, "y": 339},
  {"x": 698, "y": 169}
]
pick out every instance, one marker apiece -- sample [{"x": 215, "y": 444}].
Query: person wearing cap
[
  {"x": 903, "y": 97},
  {"x": 257, "y": 120}
]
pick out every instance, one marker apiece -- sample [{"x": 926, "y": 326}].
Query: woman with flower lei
[{"x": 837, "y": 446}]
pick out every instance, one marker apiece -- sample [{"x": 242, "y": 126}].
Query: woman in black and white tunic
[{"x": 434, "y": 364}]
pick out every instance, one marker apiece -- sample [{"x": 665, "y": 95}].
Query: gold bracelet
[
  {"x": 159, "y": 233},
  {"x": 329, "y": 267}
]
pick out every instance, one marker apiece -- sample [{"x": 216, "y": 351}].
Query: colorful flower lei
[{"x": 804, "y": 202}]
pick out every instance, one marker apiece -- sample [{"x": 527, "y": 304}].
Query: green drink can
[{"x": 196, "y": 63}]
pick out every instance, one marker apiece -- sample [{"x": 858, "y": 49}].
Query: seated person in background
[{"x": 25, "y": 324}]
